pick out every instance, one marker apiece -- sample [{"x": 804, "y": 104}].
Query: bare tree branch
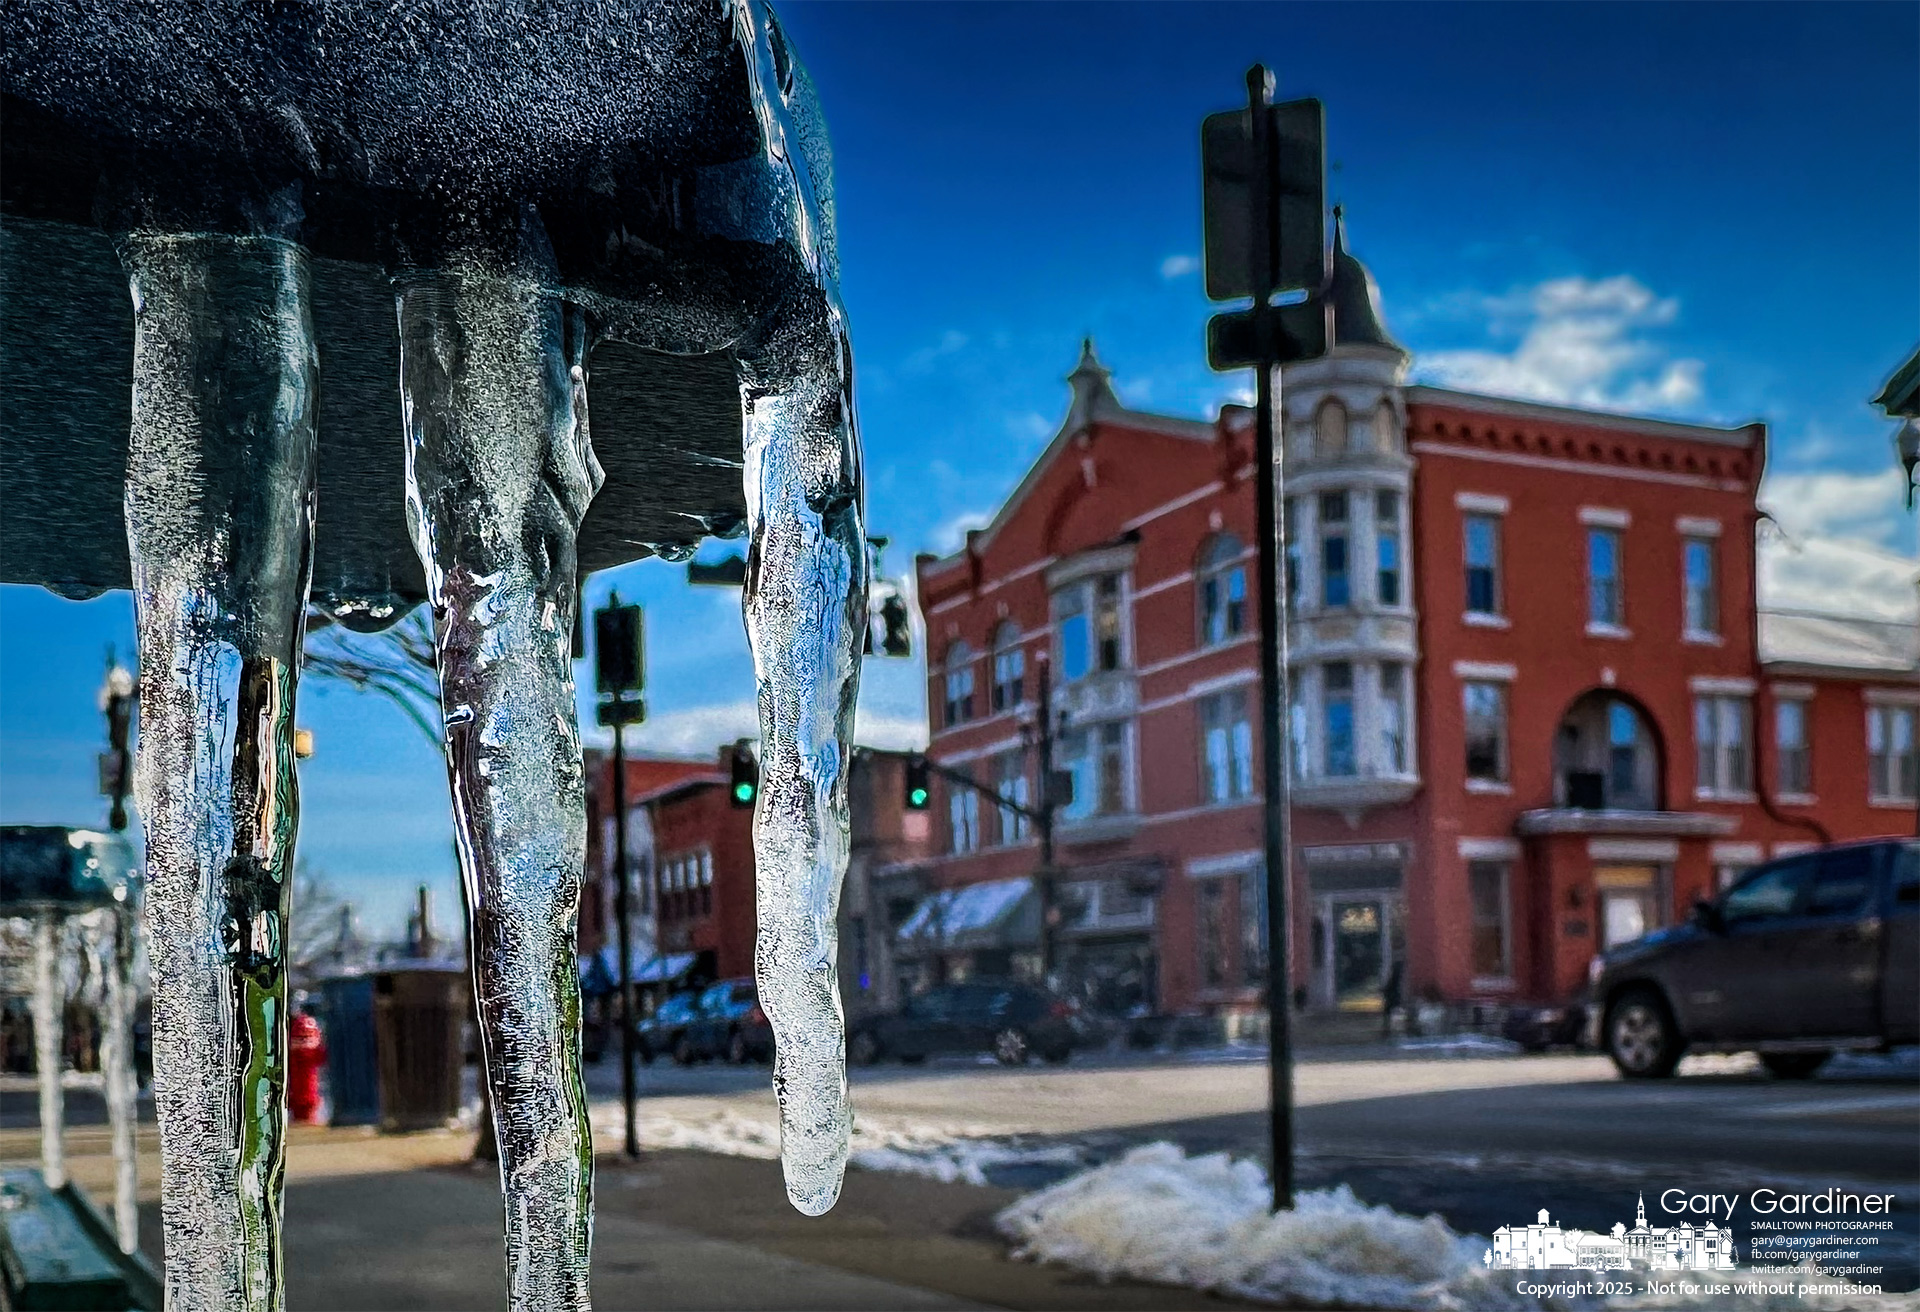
[{"x": 397, "y": 663}]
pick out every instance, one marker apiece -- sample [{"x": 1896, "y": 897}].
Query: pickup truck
[{"x": 1801, "y": 957}]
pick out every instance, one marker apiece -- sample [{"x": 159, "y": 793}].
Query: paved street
[{"x": 1484, "y": 1140}]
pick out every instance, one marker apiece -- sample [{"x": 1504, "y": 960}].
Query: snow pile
[
  {"x": 1157, "y": 1214},
  {"x": 946, "y": 1153}
]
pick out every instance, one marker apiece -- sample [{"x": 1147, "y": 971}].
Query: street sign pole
[
  {"x": 1264, "y": 192},
  {"x": 619, "y": 657},
  {"x": 1273, "y": 638}
]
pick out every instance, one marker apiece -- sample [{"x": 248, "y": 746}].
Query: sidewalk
[{"x": 382, "y": 1222}]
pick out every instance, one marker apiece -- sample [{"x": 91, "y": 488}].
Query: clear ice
[
  {"x": 48, "y": 1023},
  {"x": 499, "y": 474},
  {"x": 531, "y": 177},
  {"x": 219, "y": 507},
  {"x": 108, "y": 938}
]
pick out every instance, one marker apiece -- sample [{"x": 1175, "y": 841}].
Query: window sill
[
  {"x": 1490, "y": 787},
  {"x": 1491, "y": 984},
  {"x": 1718, "y": 795},
  {"x": 1480, "y": 619},
  {"x": 1700, "y": 639},
  {"x": 1596, "y": 629},
  {"x": 1894, "y": 803},
  {"x": 1795, "y": 799}
]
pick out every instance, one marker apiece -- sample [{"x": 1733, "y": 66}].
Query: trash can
[
  {"x": 419, "y": 1015},
  {"x": 353, "y": 1061}
]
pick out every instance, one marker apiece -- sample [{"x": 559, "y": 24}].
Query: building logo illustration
[{"x": 1544, "y": 1245}]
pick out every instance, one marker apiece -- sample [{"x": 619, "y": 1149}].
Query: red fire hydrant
[{"x": 306, "y": 1055}]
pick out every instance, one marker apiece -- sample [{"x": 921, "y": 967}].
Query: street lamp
[{"x": 1900, "y": 399}]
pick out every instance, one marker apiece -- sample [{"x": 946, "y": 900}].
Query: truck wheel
[
  {"x": 1641, "y": 1037},
  {"x": 1793, "y": 1065}
]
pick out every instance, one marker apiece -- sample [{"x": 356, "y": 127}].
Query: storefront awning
[
  {"x": 1001, "y": 913},
  {"x": 600, "y": 973}
]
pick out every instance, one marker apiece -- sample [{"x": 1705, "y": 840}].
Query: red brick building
[
  {"x": 690, "y": 850},
  {"x": 1535, "y": 707}
]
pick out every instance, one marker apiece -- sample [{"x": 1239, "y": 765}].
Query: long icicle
[
  {"x": 48, "y": 1031},
  {"x": 805, "y": 606},
  {"x": 219, "y": 527},
  {"x": 499, "y": 474}
]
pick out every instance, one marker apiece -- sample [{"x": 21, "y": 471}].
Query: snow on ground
[
  {"x": 1202, "y": 1222},
  {"x": 947, "y": 1153},
  {"x": 1471, "y": 1044}
]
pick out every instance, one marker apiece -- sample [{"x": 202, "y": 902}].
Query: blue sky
[{"x": 1703, "y": 211}]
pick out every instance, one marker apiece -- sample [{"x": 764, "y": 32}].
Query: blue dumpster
[{"x": 353, "y": 1056}]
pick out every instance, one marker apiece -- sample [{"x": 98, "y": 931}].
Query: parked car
[
  {"x": 1009, "y": 1019},
  {"x": 664, "y": 1033},
  {"x": 1803, "y": 956},
  {"x": 1537, "y": 1028},
  {"x": 729, "y": 1023}
]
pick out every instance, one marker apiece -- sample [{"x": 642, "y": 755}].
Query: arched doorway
[{"x": 1606, "y": 756}]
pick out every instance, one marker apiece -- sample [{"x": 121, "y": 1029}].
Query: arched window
[
  {"x": 1606, "y": 756},
  {"x": 1221, "y": 578},
  {"x": 959, "y": 683},
  {"x": 1331, "y": 440},
  {"x": 1385, "y": 440},
  {"x": 1009, "y": 668}
]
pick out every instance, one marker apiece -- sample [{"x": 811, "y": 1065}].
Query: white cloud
[
  {"x": 1179, "y": 266},
  {"x": 951, "y": 534},
  {"x": 1581, "y": 344},
  {"x": 923, "y": 360},
  {"x": 698, "y": 732},
  {"x": 1841, "y": 546}
]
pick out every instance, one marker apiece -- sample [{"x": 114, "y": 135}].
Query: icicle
[
  {"x": 499, "y": 474},
  {"x": 48, "y": 1029},
  {"x": 219, "y": 527},
  {"x": 805, "y": 607},
  {"x": 116, "y": 1060}
]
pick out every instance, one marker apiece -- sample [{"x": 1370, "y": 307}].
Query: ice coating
[
  {"x": 219, "y": 511},
  {"x": 500, "y": 471}
]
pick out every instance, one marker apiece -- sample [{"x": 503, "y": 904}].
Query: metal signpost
[
  {"x": 1264, "y": 194},
  {"x": 619, "y": 658}
]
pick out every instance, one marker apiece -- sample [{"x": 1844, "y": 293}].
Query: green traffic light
[
  {"x": 743, "y": 792},
  {"x": 919, "y": 797}
]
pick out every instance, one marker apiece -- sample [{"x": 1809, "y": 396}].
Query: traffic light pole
[
  {"x": 623, "y": 908},
  {"x": 1273, "y": 640}
]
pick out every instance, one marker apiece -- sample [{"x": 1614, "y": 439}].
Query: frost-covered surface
[
  {"x": 219, "y": 508},
  {"x": 500, "y": 471},
  {"x": 940, "y": 1152},
  {"x": 1158, "y": 1215},
  {"x": 1461, "y": 1044}
]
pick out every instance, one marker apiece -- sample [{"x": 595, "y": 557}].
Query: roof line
[{"x": 1507, "y": 405}]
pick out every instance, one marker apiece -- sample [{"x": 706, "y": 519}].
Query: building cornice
[{"x": 1741, "y": 436}]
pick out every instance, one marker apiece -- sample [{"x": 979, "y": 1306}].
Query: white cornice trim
[
  {"x": 1497, "y": 671},
  {"x": 1429, "y": 447},
  {"x": 1489, "y": 849},
  {"x": 1425, "y": 394},
  {"x": 1696, "y": 526},
  {"x": 1728, "y": 684},
  {"x": 1606, "y": 517}
]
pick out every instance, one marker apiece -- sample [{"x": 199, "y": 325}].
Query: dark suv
[
  {"x": 729, "y": 1023},
  {"x": 665, "y": 1032},
  {"x": 1801, "y": 957},
  {"x": 1007, "y": 1018}
]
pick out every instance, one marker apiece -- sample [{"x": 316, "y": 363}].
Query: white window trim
[
  {"x": 1697, "y": 526},
  {"x": 1485, "y": 619},
  {"x": 1489, "y": 849},
  {"x": 1481, "y": 503},
  {"x": 1721, "y": 685},
  {"x": 1633, "y": 849},
  {"x": 1891, "y": 696},
  {"x": 1734, "y": 853},
  {"x": 1801, "y": 693},
  {"x": 1890, "y": 699},
  {"x": 1232, "y": 863},
  {"x": 1490, "y": 787},
  {"x": 1605, "y": 517},
  {"x": 1792, "y": 692},
  {"x": 1485, "y": 671},
  {"x": 1597, "y": 629}
]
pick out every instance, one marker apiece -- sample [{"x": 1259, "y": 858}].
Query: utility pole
[
  {"x": 620, "y": 674},
  {"x": 1043, "y": 824},
  {"x": 1265, "y": 190}
]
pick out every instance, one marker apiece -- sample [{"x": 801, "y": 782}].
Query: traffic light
[
  {"x": 745, "y": 786},
  {"x": 897, "y": 631},
  {"x": 919, "y": 781}
]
